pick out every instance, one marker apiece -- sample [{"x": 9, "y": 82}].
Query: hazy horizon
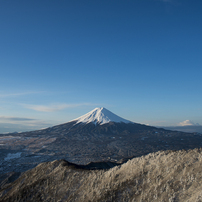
[{"x": 20, "y": 125}]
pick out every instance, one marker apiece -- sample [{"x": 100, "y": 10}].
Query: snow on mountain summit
[{"x": 100, "y": 116}]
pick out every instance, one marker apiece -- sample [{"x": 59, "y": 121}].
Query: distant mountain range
[{"x": 99, "y": 116}]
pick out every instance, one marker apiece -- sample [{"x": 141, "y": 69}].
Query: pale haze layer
[{"x": 61, "y": 59}]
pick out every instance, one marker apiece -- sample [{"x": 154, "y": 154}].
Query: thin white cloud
[
  {"x": 18, "y": 94},
  {"x": 54, "y": 107},
  {"x": 22, "y": 121},
  {"x": 187, "y": 123},
  {"x": 11, "y": 119}
]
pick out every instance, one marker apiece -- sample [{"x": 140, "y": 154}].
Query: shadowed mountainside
[{"x": 161, "y": 176}]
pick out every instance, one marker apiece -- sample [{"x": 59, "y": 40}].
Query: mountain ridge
[{"x": 161, "y": 176}]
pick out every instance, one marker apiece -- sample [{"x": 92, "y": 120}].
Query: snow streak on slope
[{"x": 100, "y": 116}]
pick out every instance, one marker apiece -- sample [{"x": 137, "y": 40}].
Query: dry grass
[{"x": 168, "y": 176}]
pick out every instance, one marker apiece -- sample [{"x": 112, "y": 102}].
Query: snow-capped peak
[{"x": 100, "y": 116}]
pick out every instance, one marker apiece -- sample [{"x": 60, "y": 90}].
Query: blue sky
[{"x": 139, "y": 59}]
